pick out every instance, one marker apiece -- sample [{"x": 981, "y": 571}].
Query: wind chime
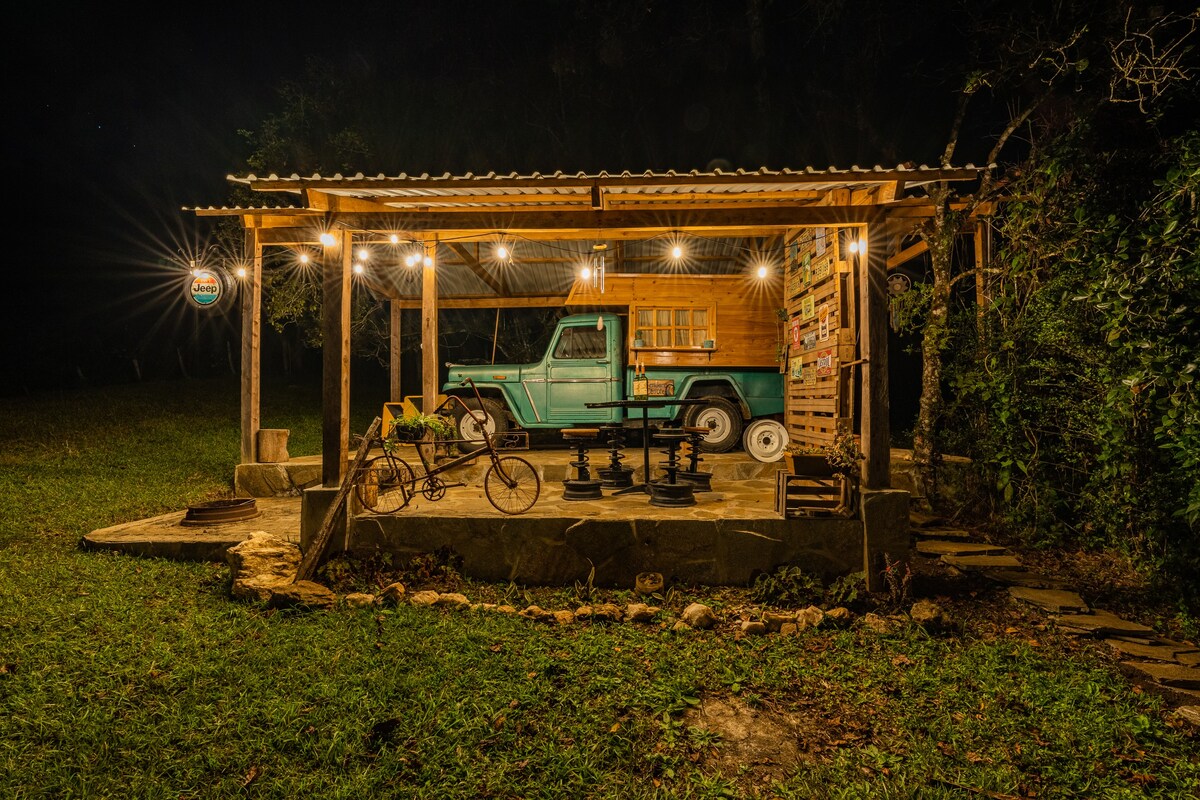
[{"x": 596, "y": 266}]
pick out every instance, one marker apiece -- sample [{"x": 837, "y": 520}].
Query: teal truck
[{"x": 585, "y": 363}]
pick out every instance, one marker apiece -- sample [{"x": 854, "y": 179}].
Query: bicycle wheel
[
  {"x": 383, "y": 484},
  {"x": 512, "y": 485}
]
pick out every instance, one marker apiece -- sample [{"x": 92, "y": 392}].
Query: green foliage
[
  {"x": 1083, "y": 410},
  {"x": 846, "y": 590},
  {"x": 412, "y": 427},
  {"x": 788, "y": 587},
  {"x": 139, "y": 677}
]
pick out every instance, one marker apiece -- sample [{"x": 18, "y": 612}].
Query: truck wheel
[
  {"x": 469, "y": 429},
  {"x": 765, "y": 440},
  {"x": 723, "y": 421}
]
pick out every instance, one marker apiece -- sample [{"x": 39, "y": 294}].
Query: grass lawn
[{"x": 130, "y": 678}]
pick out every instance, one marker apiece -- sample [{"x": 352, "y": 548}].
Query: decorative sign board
[{"x": 205, "y": 289}]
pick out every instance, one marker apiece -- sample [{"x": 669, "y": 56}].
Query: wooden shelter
[{"x": 830, "y": 236}]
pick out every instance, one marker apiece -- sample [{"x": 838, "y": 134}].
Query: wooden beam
[
  {"x": 335, "y": 359},
  {"x": 907, "y": 254},
  {"x": 429, "y": 329},
  {"x": 394, "y": 352},
  {"x": 338, "y": 203},
  {"x": 251, "y": 380},
  {"x": 873, "y": 342},
  {"x": 472, "y": 263},
  {"x": 486, "y": 301}
]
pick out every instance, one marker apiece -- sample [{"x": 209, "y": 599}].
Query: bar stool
[
  {"x": 671, "y": 491},
  {"x": 583, "y": 486},
  {"x": 701, "y": 481},
  {"x": 615, "y": 475}
]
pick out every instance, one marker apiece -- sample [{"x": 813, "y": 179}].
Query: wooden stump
[{"x": 272, "y": 445}]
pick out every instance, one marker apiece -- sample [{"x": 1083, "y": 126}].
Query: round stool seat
[{"x": 580, "y": 433}]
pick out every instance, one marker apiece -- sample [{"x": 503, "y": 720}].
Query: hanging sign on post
[{"x": 205, "y": 289}]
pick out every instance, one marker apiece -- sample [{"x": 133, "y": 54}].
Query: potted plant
[
  {"x": 413, "y": 427},
  {"x": 842, "y": 457},
  {"x": 809, "y": 460}
]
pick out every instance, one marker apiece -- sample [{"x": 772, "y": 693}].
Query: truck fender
[{"x": 715, "y": 385}]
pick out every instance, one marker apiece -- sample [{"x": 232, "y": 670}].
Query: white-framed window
[{"x": 659, "y": 327}]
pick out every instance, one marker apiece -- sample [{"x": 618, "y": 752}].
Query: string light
[
  {"x": 502, "y": 253},
  {"x": 304, "y": 258},
  {"x": 241, "y": 272},
  {"x": 394, "y": 239},
  {"x": 358, "y": 268},
  {"x": 328, "y": 239},
  {"x": 363, "y": 254},
  {"x": 762, "y": 272},
  {"x": 676, "y": 252}
]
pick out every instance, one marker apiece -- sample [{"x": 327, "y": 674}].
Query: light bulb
[
  {"x": 241, "y": 272},
  {"x": 410, "y": 261},
  {"x": 854, "y": 246},
  {"x": 762, "y": 272},
  {"x": 502, "y": 252},
  {"x": 394, "y": 239},
  {"x": 358, "y": 269},
  {"x": 585, "y": 273},
  {"x": 428, "y": 261},
  {"x": 328, "y": 239},
  {"x": 363, "y": 254},
  {"x": 304, "y": 258},
  {"x": 677, "y": 252}
]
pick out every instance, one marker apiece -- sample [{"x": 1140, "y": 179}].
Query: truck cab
[{"x": 585, "y": 363}]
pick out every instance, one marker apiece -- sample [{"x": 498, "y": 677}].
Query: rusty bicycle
[{"x": 387, "y": 483}]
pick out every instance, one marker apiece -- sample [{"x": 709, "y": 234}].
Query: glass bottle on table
[{"x": 641, "y": 386}]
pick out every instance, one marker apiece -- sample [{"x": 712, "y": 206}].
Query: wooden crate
[{"x": 812, "y": 495}]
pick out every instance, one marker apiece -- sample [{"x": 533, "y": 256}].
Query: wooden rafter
[{"x": 471, "y": 261}]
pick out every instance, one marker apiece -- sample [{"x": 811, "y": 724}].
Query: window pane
[
  {"x": 662, "y": 338},
  {"x": 681, "y": 337},
  {"x": 640, "y": 334},
  {"x": 681, "y": 317},
  {"x": 700, "y": 316},
  {"x": 698, "y": 336},
  {"x": 645, "y": 317}
]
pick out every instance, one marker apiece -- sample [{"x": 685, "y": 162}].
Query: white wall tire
[
  {"x": 765, "y": 440},
  {"x": 723, "y": 420}
]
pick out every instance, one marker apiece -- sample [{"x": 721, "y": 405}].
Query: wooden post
[
  {"x": 395, "y": 391},
  {"x": 873, "y": 341},
  {"x": 335, "y": 362},
  {"x": 429, "y": 328},
  {"x": 251, "y": 302},
  {"x": 981, "y": 297}
]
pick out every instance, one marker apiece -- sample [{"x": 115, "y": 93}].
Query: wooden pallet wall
[{"x": 819, "y": 334}]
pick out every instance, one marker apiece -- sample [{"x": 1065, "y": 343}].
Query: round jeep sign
[{"x": 205, "y": 289}]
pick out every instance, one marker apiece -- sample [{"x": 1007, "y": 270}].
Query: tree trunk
[{"x": 933, "y": 344}]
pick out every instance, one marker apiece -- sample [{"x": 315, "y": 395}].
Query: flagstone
[
  {"x": 975, "y": 563},
  {"x": 1158, "y": 652},
  {"x": 1032, "y": 580},
  {"x": 1101, "y": 623},
  {"x": 943, "y": 533},
  {"x": 1053, "y": 600},
  {"x": 1173, "y": 675},
  {"x": 938, "y": 547}
]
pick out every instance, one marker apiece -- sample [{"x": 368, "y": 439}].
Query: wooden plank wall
[
  {"x": 747, "y": 332},
  {"x": 820, "y": 335}
]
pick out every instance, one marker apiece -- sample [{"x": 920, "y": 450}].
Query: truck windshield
[{"x": 580, "y": 343}]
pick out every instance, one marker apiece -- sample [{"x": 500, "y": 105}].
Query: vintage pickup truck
[{"x": 587, "y": 361}]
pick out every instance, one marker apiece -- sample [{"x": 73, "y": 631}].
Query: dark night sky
[{"x": 122, "y": 119}]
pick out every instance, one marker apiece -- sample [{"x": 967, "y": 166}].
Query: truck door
[{"x": 582, "y": 369}]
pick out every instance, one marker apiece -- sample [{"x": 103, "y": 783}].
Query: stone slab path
[{"x": 1172, "y": 666}]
